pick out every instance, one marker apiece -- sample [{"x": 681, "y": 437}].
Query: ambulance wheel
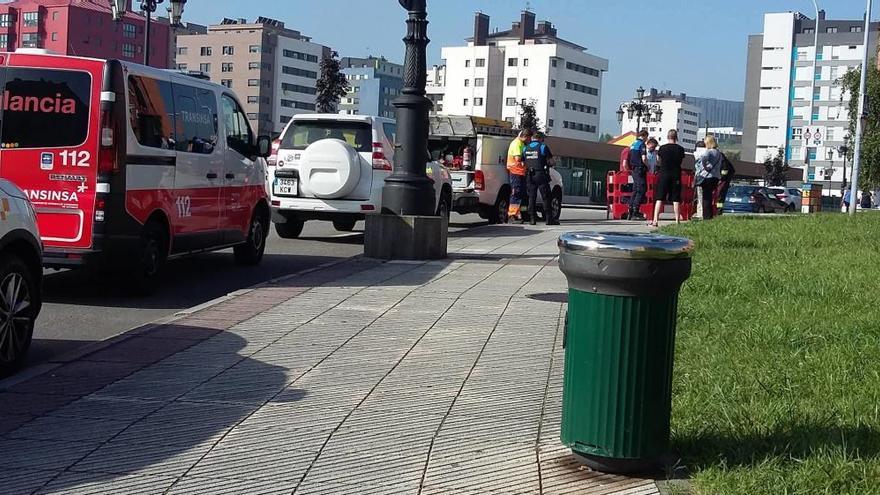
[
  {"x": 19, "y": 306},
  {"x": 151, "y": 259},
  {"x": 291, "y": 229},
  {"x": 251, "y": 252}
]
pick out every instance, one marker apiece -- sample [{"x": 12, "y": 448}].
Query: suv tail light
[
  {"x": 107, "y": 153},
  {"x": 479, "y": 181},
  {"x": 379, "y": 160},
  {"x": 273, "y": 156}
]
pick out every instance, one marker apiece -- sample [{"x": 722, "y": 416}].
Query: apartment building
[
  {"x": 273, "y": 69},
  {"x": 435, "y": 88},
  {"x": 677, "y": 113},
  {"x": 793, "y": 97},
  {"x": 374, "y": 83},
  {"x": 496, "y": 73},
  {"x": 82, "y": 28}
]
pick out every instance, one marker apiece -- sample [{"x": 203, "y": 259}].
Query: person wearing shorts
[{"x": 671, "y": 155}]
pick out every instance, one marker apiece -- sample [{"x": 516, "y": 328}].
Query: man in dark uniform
[
  {"x": 536, "y": 157},
  {"x": 639, "y": 171}
]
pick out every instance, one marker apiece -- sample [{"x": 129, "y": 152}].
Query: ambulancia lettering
[{"x": 48, "y": 104}]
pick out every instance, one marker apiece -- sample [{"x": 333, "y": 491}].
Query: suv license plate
[{"x": 286, "y": 187}]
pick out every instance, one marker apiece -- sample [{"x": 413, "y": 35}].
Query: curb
[{"x": 76, "y": 354}]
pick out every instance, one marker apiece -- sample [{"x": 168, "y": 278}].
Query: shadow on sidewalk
[
  {"x": 153, "y": 404},
  {"x": 497, "y": 231}
]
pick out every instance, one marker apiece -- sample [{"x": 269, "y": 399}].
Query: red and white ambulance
[{"x": 128, "y": 166}]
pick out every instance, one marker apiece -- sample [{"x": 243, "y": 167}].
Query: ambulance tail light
[
  {"x": 100, "y": 204},
  {"x": 380, "y": 162},
  {"x": 107, "y": 163},
  {"x": 479, "y": 180}
]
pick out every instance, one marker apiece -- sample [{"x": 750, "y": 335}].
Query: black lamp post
[
  {"x": 408, "y": 190},
  {"x": 844, "y": 150},
  {"x": 640, "y": 108},
  {"x": 175, "y": 12}
]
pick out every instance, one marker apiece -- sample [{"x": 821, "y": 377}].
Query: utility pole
[{"x": 860, "y": 124}]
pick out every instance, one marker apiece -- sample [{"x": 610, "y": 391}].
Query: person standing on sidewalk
[
  {"x": 708, "y": 176},
  {"x": 699, "y": 154},
  {"x": 517, "y": 172},
  {"x": 651, "y": 155},
  {"x": 728, "y": 172},
  {"x": 537, "y": 157},
  {"x": 638, "y": 170},
  {"x": 670, "y": 155}
]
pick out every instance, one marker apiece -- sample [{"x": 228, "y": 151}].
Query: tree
[
  {"x": 605, "y": 137},
  {"x": 331, "y": 86},
  {"x": 869, "y": 174},
  {"x": 528, "y": 116},
  {"x": 776, "y": 169}
]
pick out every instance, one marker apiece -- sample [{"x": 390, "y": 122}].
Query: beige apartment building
[{"x": 272, "y": 69}]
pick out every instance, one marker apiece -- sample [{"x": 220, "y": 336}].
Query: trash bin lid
[{"x": 623, "y": 245}]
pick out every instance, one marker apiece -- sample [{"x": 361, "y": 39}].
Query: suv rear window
[
  {"x": 37, "y": 100},
  {"x": 301, "y": 134}
]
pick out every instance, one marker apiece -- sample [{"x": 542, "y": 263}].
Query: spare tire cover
[{"x": 329, "y": 168}]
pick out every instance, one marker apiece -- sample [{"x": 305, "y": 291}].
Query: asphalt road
[{"x": 78, "y": 311}]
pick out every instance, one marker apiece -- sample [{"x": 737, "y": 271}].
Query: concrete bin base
[{"x": 405, "y": 237}]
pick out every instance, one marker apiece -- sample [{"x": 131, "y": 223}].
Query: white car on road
[
  {"x": 791, "y": 196},
  {"x": 332, "y": 167},
  {"x": 21, "y": 275}
]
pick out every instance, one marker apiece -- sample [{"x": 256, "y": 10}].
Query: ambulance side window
[
  {"x": 196, "y": 122},
  {"x": 238, "y": 131},
  {"x": 151, "y": 103}
]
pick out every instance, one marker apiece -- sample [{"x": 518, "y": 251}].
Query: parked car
[
  {"x": 142, "y": 164},
  {"x": 21, "y": 275},
  {"x": 333, "y": 167},
  {"x": 752, "y": 199},
  {"x": 791, "y": 196}
]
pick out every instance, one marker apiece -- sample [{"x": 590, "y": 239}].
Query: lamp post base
[{"x": 405, "y": 237}]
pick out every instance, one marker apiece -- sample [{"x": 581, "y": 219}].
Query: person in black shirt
[
  {"x": 671, "y": 156},
  {"x": 538, "y": 158}
]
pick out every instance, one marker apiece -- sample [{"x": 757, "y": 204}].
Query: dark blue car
[{"x": 752, "y": 199}]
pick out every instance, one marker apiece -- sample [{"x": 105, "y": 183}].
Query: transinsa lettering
[
  {"x": 48, "y": 104},
  {"x": 43, "y": 195}
]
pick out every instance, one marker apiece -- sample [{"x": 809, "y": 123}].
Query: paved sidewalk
[{"x": 366, "y": 377}]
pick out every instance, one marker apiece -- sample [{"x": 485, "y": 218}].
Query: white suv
[
  {"x": 333, "y": 167},
  {"x": 21, "y": 275}
]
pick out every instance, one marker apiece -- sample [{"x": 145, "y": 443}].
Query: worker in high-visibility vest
[{"x": 517, "y": 172}]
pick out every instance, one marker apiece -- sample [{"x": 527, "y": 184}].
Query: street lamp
[
  {"x": 829, "y": 171},
  {"x": 148, "y": 7},
  {"x": 844, "y": 151},
  {"x": 639, "y": 108}
]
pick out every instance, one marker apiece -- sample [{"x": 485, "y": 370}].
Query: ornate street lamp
[
  {"x": 148, "y": 7},
  {"x": 408, "y": 190},
  {"x": 640, "y": 109},
  {"x": 844, "y": 151}
]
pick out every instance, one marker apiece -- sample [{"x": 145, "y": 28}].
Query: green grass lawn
[{"x": 777, "y": 373}]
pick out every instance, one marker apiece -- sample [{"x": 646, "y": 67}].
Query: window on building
[
  {"x": 285, "y": 119},
  {"x": 817, "y": 94},
  {"x": 31, "y": 40},
  {"x": 479, "y": 82},
  {"x": 226, "y": 82},
  {"x": 181, "y": 67},
  {"x": 525, "y": 82},
  {"x": 253, "y": 82},
  {"x": 129, "y": 50},
  {"x": 831, "y": 30},
  {"x": 796, "y": 152},
  {"x": 467, "y": 63},
  {"x": 182, "y": 50},
  {"x": 855, "y": 29},
  {"x": 553, "y": 83},
  {"x": 480, "y": 62},
  {"x": 811, "y": 152},
  {"x": 226, "y": 67},
  {"x": 835, "y": 73},
  {"x": 802, "y": 54},
  {"x": 253, "y": 99},
  {"x": 307, "y": 57},
  {"x": 466, "y": 101},
  {"x": 129, "y": 31},
  {"x": 207, "y": 51},
  {"x": 228, "y": 50},
  {"x": 206, "y": 68},
  {"x": 31, "y": 19},
  {"x": 467, "y": 82},
  {"x": 552, "y": 103},
  {"x": 512, "y": 62},
  {"x": 809, "y": 31},
  {"x": 254, "y": 49},
  {"x": 254, "y": 65},
  {"x": 54, "y": 36},
  {"x": 550, "y": 122},
  {"x": 511, "y": 102},
  {"x": 525, "y": 62},
  {"x": 294, "y": 71},
  {"x": 815, "y": 113},
  {"x": 829, "y": 134},
  {"x": 818, "y": 75},
  {"x": 4, "y": 41},
  {"x": 478, "y": 102},
  {"x": 511, "y": 81},
  {"x": 553, "y": 62},
  {"x": 5, "y": 20}
]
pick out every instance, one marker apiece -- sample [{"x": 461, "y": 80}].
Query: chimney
[
  {"x": 544, "y": 28},
  {"x": 481, "y": 29},
  {"x": 822, "y": 15},
  {"x": 527, "y": 23}
]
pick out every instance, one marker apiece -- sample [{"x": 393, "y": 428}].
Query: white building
[
  {"x": 496, "y": 73},
  {"x": 677, "y": 114},
  {"x": 793, "y": 92},
  {"x": 436, "y": 87}
]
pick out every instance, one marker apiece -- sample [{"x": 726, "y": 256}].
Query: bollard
[{"x": 619, "y": 345}]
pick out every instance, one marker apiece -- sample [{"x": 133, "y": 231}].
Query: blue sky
[{"x": 692, "y": 46}]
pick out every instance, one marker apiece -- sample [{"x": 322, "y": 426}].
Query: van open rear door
[{"x": 49, "y": 141}]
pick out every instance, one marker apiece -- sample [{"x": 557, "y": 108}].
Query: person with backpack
[
  {"x": 639, "y": 172},
  {"x": 537, "y": 157},
  {"x": 728, "y": 173}
]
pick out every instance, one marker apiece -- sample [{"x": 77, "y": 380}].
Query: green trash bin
[{"x": 619, "y": 344}]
